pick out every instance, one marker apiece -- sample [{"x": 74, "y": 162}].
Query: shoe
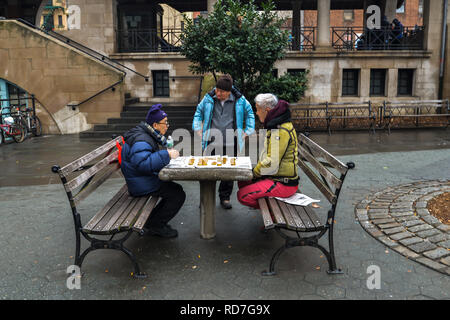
[
  {"x": 226, "y": 204},
  {"x": 164, "y": 232}
]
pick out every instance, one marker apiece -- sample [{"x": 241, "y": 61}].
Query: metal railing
[
  {"x": 359, "y": 38},
  {"x": 90, "y": 52},
  {"x": 149, "y": 40},
  {"x": 302, "y": 38},
  {"x": 368, "y": 115}
]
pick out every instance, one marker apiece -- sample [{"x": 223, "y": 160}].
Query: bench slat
[
  {"x": 295, "y": 216},
  {"x": 313, "y": 216},
  {"x": 120, "y": 196},
  {"x": 95, "y": 184},
  {"x": 267, "y": 218},
  {"x": 123, "y": 221},
  {"x": 146, "y": 211},
  {"x": 66, "y": 170},
  {"x": 110, "y": 214},
  {"x": 318, "y": 151},
  {"x": 287, "y": 214},
  {"x": 279, "y": 218},
  {"x": 305, "y": 218},
  {"x": 124, "y": 212},
  {"x": 76, "y": 182},
  {"x": 318, "y": 183},
  {"x": 329, "y": 176}
]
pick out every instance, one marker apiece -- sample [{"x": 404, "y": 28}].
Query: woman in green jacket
[{"x": 276, "y": 173}]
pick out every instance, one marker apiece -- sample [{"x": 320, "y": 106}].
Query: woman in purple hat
[{"x": 144, "y": 154}]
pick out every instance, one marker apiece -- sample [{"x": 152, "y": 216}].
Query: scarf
[
  {"x": 161, "y": 139},
  {"x": 279, "y": 114}
]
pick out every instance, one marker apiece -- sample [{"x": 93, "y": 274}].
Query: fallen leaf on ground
[{"x": 225, "y": 261}]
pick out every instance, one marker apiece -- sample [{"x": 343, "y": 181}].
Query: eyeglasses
[{"x": 166, "y": 123}]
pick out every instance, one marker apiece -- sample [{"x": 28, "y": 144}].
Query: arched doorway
[{"x": 13, "y": 96}]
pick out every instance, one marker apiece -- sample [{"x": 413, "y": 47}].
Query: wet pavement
[
  {"x": 29, "y": 163},
  {"x": 36, "y": 230}
]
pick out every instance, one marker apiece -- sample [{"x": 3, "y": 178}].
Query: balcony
[
  {"x": 359, "y": 38},
  {"x": 303, "y": 39},
  {"x": 149, "y": 40}
]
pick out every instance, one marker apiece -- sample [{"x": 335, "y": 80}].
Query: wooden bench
[
  {"x": 432, "y": 109},
  {"x": 122, "y": 214},
  {"x": 328, "y": 174}
]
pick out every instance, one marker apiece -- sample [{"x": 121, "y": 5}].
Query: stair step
[
  {"x": 170, "y": 114},
  {"x": 133, "y": 108},
  {"x": 107, "y": 133},
  {"x": 180, "y": 117},
  {"x": 124, "y": 120},
  {"x": 131, "y": 101}
]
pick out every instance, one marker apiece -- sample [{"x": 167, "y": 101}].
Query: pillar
[
  {"x": 323, "y": 24},
  {"x": 210, "y": 5},
  {"x": 296, "y": 24},
  {"x": 390, "y": 9}
]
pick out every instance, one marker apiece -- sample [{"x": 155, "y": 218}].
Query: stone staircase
[{"x": 179, "y": 115}]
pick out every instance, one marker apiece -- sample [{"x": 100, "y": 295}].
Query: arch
[
  {"x": 41, "y": 111},
  {"x": 58, "y": 75}
]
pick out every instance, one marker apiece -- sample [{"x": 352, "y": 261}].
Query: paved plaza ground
[{"x": 38, "y": 240}]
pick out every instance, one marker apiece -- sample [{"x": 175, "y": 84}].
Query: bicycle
[
  {"x": 11, "y": 127},
  {"x": 29, "y": 119}
]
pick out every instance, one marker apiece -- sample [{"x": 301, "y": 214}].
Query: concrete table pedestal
[
  {"x": 207, "y": 178},
  {"x": 207, "y": 209}
]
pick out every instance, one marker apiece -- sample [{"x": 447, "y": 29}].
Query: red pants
[{"x": 249, "y": 192}]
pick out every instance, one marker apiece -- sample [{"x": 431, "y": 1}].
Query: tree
[{"x": 236, "y": 39}]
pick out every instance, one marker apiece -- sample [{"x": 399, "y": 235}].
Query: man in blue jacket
[
  {"x": 223, "y": 110},
  {"x": 144, "y": 154}
]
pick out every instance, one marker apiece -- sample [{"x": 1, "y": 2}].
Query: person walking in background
[
  {"x": 224, "y": 109},
  {"x": 276, "y": 173},
  {"x": 144, "y": 154}
]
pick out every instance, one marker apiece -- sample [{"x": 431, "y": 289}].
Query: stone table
[{"x": 207, "y": 178}]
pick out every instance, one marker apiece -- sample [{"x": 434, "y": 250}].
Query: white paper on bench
[{"x": 298, "y": 199}]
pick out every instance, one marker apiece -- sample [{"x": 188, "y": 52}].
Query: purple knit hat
[{"x": 155, "y": 114}]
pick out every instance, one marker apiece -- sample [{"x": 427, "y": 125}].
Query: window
[
  {"x": 420, "y": 7},
  {"x": 275, "y": 73},
  {"x": 377, "y": 82},
  {"x": 60, "y": 22},
  {"x": 350, "y": 80},
  {"x": 402, "y": 8},
  {"x": 405, "y": 82},
  {"x": 161, "y": 83},
  {"x": 348, "y": 15},
  {"x": 295, "y": 71}
]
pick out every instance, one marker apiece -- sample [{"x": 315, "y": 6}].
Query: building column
[
  {"x": 323, "y": 24},
  {"x": 296, "y": 24},
  {"x": 210, "y": 5},
  {"x": 390, "y": 9}
]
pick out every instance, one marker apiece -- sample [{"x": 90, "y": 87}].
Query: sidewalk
[{"x": 36, "y": 230}]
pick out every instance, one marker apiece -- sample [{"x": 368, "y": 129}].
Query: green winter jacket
[{"x": 279, "y": 159}]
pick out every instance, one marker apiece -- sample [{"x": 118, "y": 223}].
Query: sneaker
[
  {"x": 165, "y": 231},
  {"x": 226, "y": 204}
]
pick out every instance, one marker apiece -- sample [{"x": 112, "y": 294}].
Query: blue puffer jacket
[
  {"x": 244, "y": 117},
  {"x": 142, "y": 160}
]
